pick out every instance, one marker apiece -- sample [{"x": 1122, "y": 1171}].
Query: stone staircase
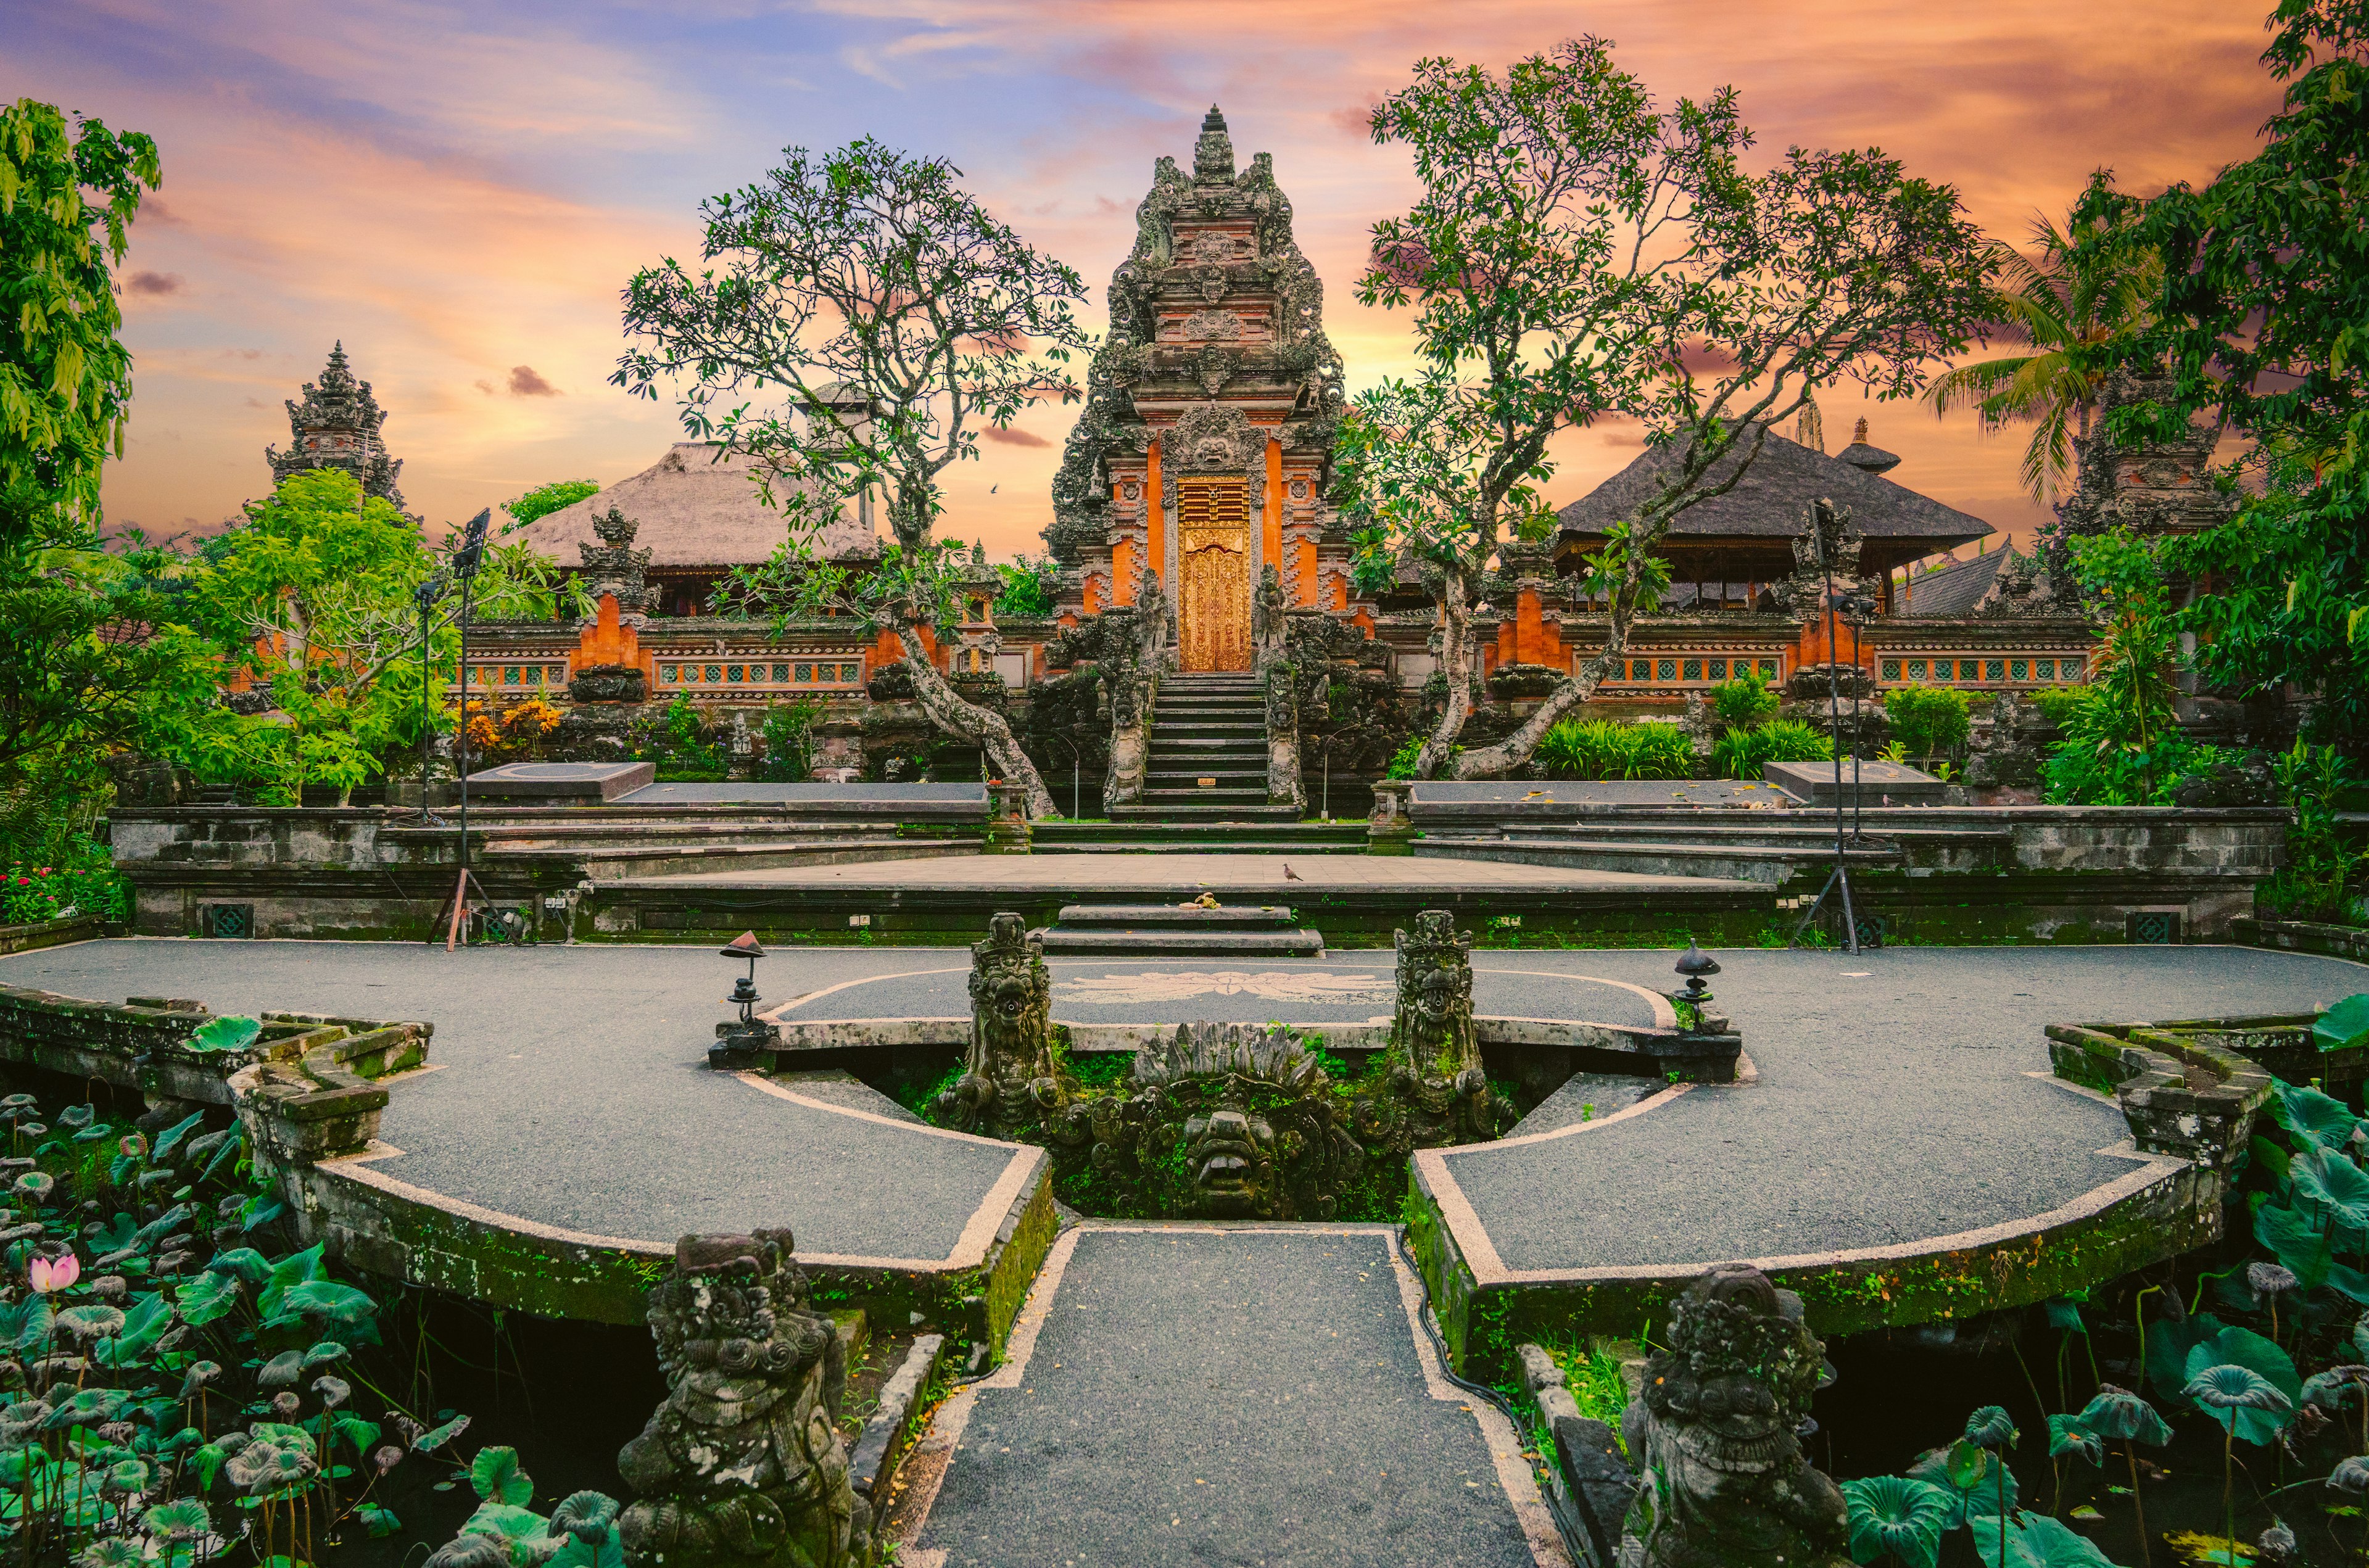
[
  {"x": 1187, "y": 931},
  {"x": 1209, "y": 728}
]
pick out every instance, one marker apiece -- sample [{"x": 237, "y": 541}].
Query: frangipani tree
[
  {"x": 859, "y": 320},
  {"x": 1581, "y": 253}
]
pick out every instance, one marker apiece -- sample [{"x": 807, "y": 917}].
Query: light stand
[
  {"x": 465, "y": 562},
  {"x": 1825, "y": 525},
  {"x": 1858, "y": 609},
  {"x": 429, "y": 592}
]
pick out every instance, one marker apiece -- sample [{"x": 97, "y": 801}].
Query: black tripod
[{"x": 1825, "y": 532}]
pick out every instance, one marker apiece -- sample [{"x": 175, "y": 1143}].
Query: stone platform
[
  {"x": 1351, "y": 900},
  {"x": 1901, "y": 1108}
]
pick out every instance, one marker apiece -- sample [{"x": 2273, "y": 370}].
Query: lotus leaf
[
  {"x": 1990, "y": 1426},
  {"x": 2038, "y": 1541},
  {"x": 2297, "y": 1239},
  {"x": 377, "y": 1521},
  {"x": 280, "y": 1370},
  {"x": 495, "y": 1474},
  {"x": 88, "y": 1407},
  {"x": 227, "y": 1033},
  {"x": 184, "y": 1518},
  {"x": 2169, "y": 1341},
  {"x": 1965, "y": 1472},
  {"x": 2067, "y": 1436},
  {"x": 127, "y": 1476},
  {"x": 25, "y": 1324},
  {"x": 170, "y": 1139},
  {"x": 242, "y": 1262},
  {"x": 90, "y": 1321},
  {"x": 297, "y": 1268},
  {"x": 2063, "y": 1315},
  {"x": 357, "y": 1434},
  {"x": 2312, "y": 1120},
  {"x": 2338, "y": 1188},
  {"x": 207, "y": 1295},
  {"x": 576, "y": 1552},
  {"x": 2248, "y": 1351},
  {"x": 36, "y": 1185},
  {"x": 2351, "y": 1475},
  {"x": 328, "y": 1300},
  {"x": 334, "y": 1391},
  {"x": 1890, "y": 1514},
  {"x": 328, "y": 1353},
  {"x": 427, "y": 1442},
  {"x": 77, "y": 1116},
  {"x": 224, "y": 1152},
  {"x": 109, "y": 1551},
  {"x": 143, "y": 1325},
  {"x": 200, "y": 1374},
  {"x": 2345, "y": 1025}
]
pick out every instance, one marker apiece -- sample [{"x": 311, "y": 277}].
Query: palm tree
[{"x": 2066, "y": 305}]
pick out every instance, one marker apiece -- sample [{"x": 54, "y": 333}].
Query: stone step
[
  {"x": 1203, "y": 814},
  {"x": 1303, "y": 943},
  {"x": 1260, "y": 844},
  {"x": 1194, "y": 916},
  {"x": 1203, "y": 837},
  {"x": 1250, "y": 744}
]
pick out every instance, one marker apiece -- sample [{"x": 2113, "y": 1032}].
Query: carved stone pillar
[{"x": 1007, "y": 1084}]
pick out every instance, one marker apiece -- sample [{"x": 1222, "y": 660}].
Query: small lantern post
[{"x": 738, "y": 1041}]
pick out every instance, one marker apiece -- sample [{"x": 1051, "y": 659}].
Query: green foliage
[
  {"x": 2244, "y": 1382},
  {"x": 2342, "y": 1024},
  {"x": 1404, "y": 760},
  {"x": 67, "y": 196},
  {"x": 1894, "y": 1517},
  {"x": 1569, "y": 229},
  {"x": 2075, "y": 305},
  {"x": 544, "y": 500},
  {"x": 2258, "y": 317},
  {"x": 1032, "y": 586},
  {"x": 681, "y": 743},
  {"x": 90, "y": 886},
  {"x": 1745, "y": 702},
  {"x": 1928, "y": 721},
  {"x": 1741, "y": 753},
  {"x": 2315, "y": 884},
  {"x": 200, "y": 1399},
  {"x": 789, "y": 741},
  {"x": 1604, "y": 749},
  {"x": 310, "y": 596}
]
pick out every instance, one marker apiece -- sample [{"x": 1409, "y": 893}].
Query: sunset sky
[{"x": 460, "y": 191}]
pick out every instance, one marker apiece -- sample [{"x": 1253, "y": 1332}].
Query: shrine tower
[
  {"x": 338, "y": 426},
  {"x": 1203, "y": 450}
]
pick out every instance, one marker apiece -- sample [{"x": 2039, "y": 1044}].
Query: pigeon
[{"x": 1291, "y": 876}]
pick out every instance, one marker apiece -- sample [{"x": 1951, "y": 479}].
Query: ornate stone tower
[
  {"x": 337, "y": 425},
  {"x": 1203, "y": 450}
]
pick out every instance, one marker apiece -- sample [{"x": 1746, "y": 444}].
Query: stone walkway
[
  {"x": 1896, "y": 1099},
  {"x": 1195, "y": 1394},
  {"x": 1253, "y": 874}
]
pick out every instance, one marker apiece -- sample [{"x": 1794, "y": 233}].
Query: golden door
[{"x": 1213, "y": 609}]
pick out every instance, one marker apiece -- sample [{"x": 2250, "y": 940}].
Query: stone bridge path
[
  {"x": 1244, "y": 1391},
  {"x": 1221, "y": 1395}
]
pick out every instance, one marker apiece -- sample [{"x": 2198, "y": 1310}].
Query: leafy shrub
[
  {"x": 1032, "y": 586},
  {"x": 84, "y": 883},
  {"x": 789, "y": 742},
  {"x": 1741, "y": 753},
  {"x": 1403, "y": 761},
  {"x": 1928, "y": 721},
  {"x": 162, "y": 1407},
  {"x": 1744, "y": 701},
  {"x": 2319, "y": 862},
  {"x": 678, "y": 744},
  {"x": 1603, "y": 749},
  {"x": 2103, "y": 761}
]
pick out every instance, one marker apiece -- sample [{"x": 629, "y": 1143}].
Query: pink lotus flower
[{"x": 55, "y": 1274}]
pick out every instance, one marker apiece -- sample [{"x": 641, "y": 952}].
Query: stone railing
[
  {"x": 302, "y": 1083},
  {"x": 2180, "y": 1086}
]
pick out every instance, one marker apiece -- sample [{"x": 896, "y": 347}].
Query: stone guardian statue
[
  {"x": 742, "y": 1467},
  {"x": 1724, "y": 1483}
]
